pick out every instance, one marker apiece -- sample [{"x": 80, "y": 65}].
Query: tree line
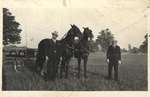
[{"x": 11, "y": 35}]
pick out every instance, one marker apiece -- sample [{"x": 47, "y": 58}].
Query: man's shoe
[
  {"x": 109, "y": 78},
  {"x": 116, "y": 79}
]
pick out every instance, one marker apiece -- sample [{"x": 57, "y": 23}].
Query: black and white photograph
[{"x": 70, "y": 47}]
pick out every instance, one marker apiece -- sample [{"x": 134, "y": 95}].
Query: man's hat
[
  {"x": 55, "y": 33},
  {"x": 114, "y": 41}
]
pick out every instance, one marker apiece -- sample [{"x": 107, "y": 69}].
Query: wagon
[
  {"x": 17, "y": 56},
  {"x": 22, "y": 52}
]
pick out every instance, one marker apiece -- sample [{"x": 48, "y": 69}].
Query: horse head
[
  {"x": 70, "y": 36},
  {"x": 75, "y": 31},
  {"x": 87, "y": 33}
]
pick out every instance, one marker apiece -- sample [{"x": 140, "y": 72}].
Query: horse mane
[{"x": 66, "y": 36}]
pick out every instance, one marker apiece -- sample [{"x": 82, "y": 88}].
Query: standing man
[
  {"x": 113, "y": 59},
  {"x": 52, "y": 57}
]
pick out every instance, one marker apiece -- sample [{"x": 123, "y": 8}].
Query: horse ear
[{"x": 71, "y": 25}]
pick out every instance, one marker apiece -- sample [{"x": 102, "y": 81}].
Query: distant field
[{"x": 132, "y": 75}]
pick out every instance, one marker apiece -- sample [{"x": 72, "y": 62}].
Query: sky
[{"x": 125, "y": 18}]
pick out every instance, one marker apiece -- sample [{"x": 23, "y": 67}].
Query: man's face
[
  {"x": 54, "y": 36},
  {"x": 114, "y": 43}
]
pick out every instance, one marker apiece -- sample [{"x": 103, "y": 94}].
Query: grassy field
[{"x": 132, "y": 75}]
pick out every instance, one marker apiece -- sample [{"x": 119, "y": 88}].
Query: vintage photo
[{"x": 75, "y": 49}]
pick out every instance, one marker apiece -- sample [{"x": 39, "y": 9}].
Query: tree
[
  {"x": 129, "y": 48},
  {"x": 134, "y": 50},
  {"x": 124, "y": 50},
  {"x": 11, "y": 31},
  {"x": 144, "y": 46},
  {"x": 105, "y": 38},
  {"x": 93, "y": 46}
]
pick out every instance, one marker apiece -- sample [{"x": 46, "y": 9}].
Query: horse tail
[{"x": 40, "y": 57}]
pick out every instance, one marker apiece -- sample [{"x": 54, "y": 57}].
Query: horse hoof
[
  {"x": 66, "y": 77},
  {"x": 85, "y": 77},
  {"x": 60, "y": 77}
]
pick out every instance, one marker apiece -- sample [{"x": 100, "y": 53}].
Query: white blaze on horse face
[
  {"x": 89, "y": 39},
  {"x": 76, "y": 38}
]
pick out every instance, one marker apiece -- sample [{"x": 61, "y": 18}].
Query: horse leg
[
  {"x": 79, "y": 63},
  {"x": 62, "y": 68},
  {"x": 85, "y": 67},
  {"x": 67, "y": 68},
  {"x": 44, "y": 67},
  {"x": 39, "y": 62}
]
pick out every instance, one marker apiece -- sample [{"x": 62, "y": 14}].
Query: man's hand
[
  {"x": 107, "y": 60},
  {"x": 119, "y": 62},
  {"x": 60, "y": 58},
  {"x": 46, "y": 57}
]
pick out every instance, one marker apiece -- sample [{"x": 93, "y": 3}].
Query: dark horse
[
  {"x": 82, "y": 49},
  {"x": 65, "y": 49}
]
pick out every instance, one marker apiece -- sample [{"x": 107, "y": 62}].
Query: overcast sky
[{"x": 38, "y": 19}]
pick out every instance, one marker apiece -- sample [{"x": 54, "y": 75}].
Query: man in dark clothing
[
  {"x": 52, "y": 57},
  {"x": 113, "y": 59}
]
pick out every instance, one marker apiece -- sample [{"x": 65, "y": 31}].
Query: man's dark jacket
[
  {"x": 114, "y": 53},
  {"x": 51, "y": 49}
]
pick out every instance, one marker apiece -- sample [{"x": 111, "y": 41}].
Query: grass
[{"x": 132, "y": 75}]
